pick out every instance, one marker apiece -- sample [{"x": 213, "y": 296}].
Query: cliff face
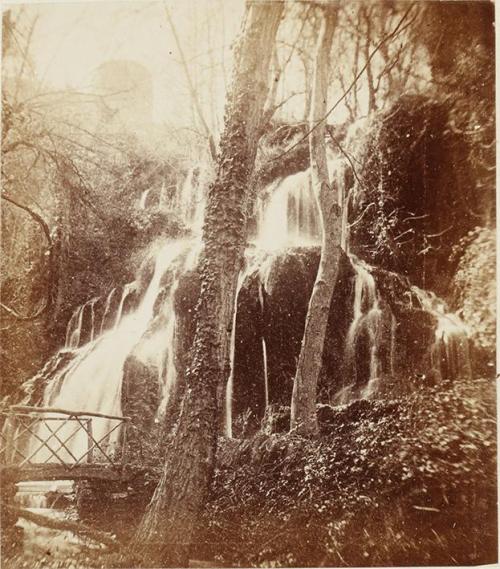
[{"x": 417, "y": 192}]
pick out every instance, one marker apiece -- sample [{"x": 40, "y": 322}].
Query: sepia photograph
[{"x": 248, "y": 284}]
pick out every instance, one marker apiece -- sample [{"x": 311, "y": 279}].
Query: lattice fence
[{"x": 36, "y": 436}]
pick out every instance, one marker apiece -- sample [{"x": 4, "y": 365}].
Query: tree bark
[
  {"x": 169, "y": 524},
  {"x": 303, "y": 412}
]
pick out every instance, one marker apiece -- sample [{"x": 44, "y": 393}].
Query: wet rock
[
  {"x": 140, "y": 400},
  {"x": 416, "y": 192}
]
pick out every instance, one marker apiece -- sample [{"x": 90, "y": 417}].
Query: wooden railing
[{"x": 35, "y": 436}]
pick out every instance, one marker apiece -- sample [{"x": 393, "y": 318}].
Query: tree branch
[
  {"x": 192, "y": 88},
  {"x": 46, "y": 231},
  {"x": 43, "y": 224},
  {"x": 386, "y": 38}
]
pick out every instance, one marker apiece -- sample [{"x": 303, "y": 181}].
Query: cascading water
[
  {"x": 127, "y": 290},
  {"x": 287, "y": 217},
  {"x": 232, "y": 346},
  {"x": 92, "y": 381},
  {"x": 287, "y": 210},
  {"x": 367, "y": 320},
  {"x": 288, "y": 214},
  {"x": 42, "y": 495},
  {"x": 255, "y": 262},
  {"x": 450, "y": 352},
  {"x": 92, "y": 318},
  {"x": 75, "y": 324},
  {"x": 144, "y": 198},
  {"x": 367, "y": 317},
  {"x": 191, "y": 199},
  {"x": 107, "y": 307},
  {"x": 74, "y": 328},
  {"x": 264, "y": 348}
]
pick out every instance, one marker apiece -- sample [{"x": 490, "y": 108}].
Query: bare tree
[{"x": 303, "y": 412}]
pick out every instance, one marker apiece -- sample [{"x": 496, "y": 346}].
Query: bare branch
[
  {"x": 46, "y": 231},
  {"x": 386, "y": 38},
  {"x": 41, "y": 222},
  {"x": 191, "y": 86},
  {"x": 24, "y": 317}
]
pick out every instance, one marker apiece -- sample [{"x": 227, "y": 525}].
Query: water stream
[{"x": 92, "y": 381}]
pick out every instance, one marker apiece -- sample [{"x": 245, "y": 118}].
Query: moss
[{"x": 417, "y": 189}]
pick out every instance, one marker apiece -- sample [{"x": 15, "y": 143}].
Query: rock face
[
  {"x": 384, "y": 337},
  {"x": 382, "y": 334},
  {"x": 140, "y": 400},
  {"x": 279, "y": 315},
  {"x": 417, "y": 193}
]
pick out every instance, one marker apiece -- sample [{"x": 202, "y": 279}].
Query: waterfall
[
  {"x": 92, "y": 317},
  {"x": 74, "y": 328},
  {"x": 75, "y": 324},
  {"x": 264, "y": 347},
  {"x": 127, "y": 289},
  {"x": 288, "y": 214},
  {"x": 367, "y": 317},
  {"x": 144, "y": 198},
  {"x": 167, "y": 369},
  {"x": 92, "y": 381},
  {"x": 41, "y": 494},
  {"x": 191, "y": 199},
  {"x": 287, "y": 210},
  {"x": 255, "y": 262},
  {"x": 232, "y": 347},
  {"x": 107, "y": 307},
  {"x": 167, "y": 372},
  {"x": 450, "y": 352}
]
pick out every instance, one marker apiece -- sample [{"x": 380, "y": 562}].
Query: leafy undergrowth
[{"x": 410, "y": 481}]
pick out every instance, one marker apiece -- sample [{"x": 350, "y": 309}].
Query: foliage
[
  {"x": 460, "y": 40},
  {"x": 403, "y": 482},
  {"x": 71, "y": 218},
  {"x": 474, "y": 290}
]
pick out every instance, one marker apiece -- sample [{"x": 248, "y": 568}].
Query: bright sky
[{"x": 72, "y": 38}]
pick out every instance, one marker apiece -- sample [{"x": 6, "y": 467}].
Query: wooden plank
[
  {"x": 28, "y": 409},
  {"x": 59, "y": 472}
]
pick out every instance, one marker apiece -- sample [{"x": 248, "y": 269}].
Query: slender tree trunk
[
  {"x": 169, "y": 525},
  {"x": 307, "y": 85},
  {"x": 372, "y": 103},
  {"x": 303, "y": 414}
]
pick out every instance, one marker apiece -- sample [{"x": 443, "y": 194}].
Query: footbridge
[{"x": 45, "y": 443}]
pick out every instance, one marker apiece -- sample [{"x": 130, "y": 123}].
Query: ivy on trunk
[{"x": 169, "y": 524}]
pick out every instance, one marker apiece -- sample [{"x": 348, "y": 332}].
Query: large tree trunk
[
  {"x": 170, "y": 522},
  {"x": 303, "y": 414}
]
